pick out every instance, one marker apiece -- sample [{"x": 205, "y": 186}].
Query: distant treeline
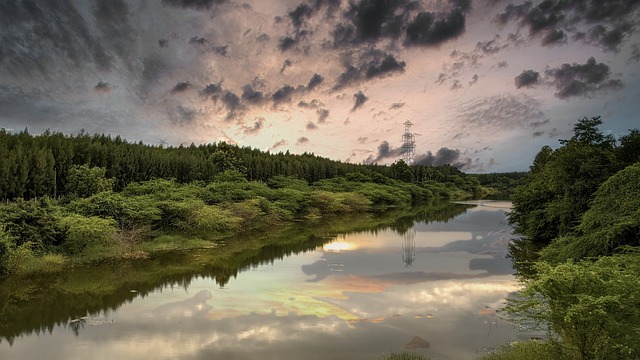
[{"x": 35, "y": 166}]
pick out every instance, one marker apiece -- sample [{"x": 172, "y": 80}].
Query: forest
[
  {"x": 577, "y": 250},
  {"x": 89, "y": 198}
]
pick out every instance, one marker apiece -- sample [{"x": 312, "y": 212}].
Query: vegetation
[
  {"x": 578, "y": 256},
  {"x": 53, "y": 164},
  {"x": 86, "y": 198}
]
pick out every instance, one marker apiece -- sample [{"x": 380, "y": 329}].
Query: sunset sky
[{"x": 486, "y": 83}]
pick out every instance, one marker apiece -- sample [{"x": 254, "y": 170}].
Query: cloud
[
  {"x": 492, "y": 46},
  {"x": 385, "y": 151},
  {"x": 444, "y": 156},
  {"x": 182, "y": 115},
  {"x": 528, "y": 78},
  {"x": 257, "y": 126},
  {"x": 300, "y": 14},
  {"x": 311, "y": 126},
  {"x": 456, "y": 85},
  {"x": 231, "y": 101},
  {"x": 427, "y": 30},
  {"x": 194, "y": 4},
  {"x": 474, "y": 79},
  {"x": 362, "y": 140},
  {"x": 635, "y": 53},
  {"x": 102, "y": 87},
  {"x": 195, "y": 40},
  {"x": 602, "y": 23},
  {"x": 396, "y": 106},
  {"x": 279, "y": 143},
  {"x": 181, "y": 87},
  {"x": 323, "y": 114},
  {"x": 302, "y": 140},
  {"x": 571, "y": 80},
  {"x": 315, "y": 81},
  {"x": 359, "y": 100},
  {"x": 498, "y": 113},
  {"x": 285, "y": 65},
  {"x": 367, "y": 66},
  {"x": 251, "y": 96},
  {"x": 283, "y": 94},
  {"x": 211, "y": 90}
]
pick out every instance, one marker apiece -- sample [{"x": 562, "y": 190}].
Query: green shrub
[{"x": 87, "y": 231}]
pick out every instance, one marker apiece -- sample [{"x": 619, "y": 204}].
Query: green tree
[{"x": 84, "y": 181}]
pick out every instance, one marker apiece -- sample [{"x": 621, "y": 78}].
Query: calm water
[{"x": 429, "y": 286}]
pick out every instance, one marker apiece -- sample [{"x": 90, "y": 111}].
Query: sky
[{"x": 485, "y": 83}]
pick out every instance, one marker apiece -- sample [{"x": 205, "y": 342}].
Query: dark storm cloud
[
  {"x": 582, "y": 79},
  {"x": 635, "y": 53},
  {"x": 385, "y": 151},
  {"x": 367, "y": 66},
  {"x": 38, "y": 36},
  {"x": 302, "y": 140},
  {"x": 283, "y": 94},
  {"x": 251, "y": 96},
  {"x": 286, "y": 43},
  {"x": 444, "y": 156},
  {"x": 102, "y": 87},
  {"x": 300, "y": 14},
  {"x": 359, "y": 99},
  {"x": 211, "y": 90},
  {"x": 181, "y": 87},
  {"x": 314, "y": 104},
  {"x": 231, "y": 101},
  {"x": 427, "y": 30},
  {"x": 194, "y": 4},
  {"x": 607, "y": 22},
  {"x": 554, "y": 37},
  {"x": 315, "y": 80},
  {"x": 258, "y": 124},
  {"x": 528, "y": 78},
  {"x": 112, "y": 20},
  {"x": 323, "y": 114}
]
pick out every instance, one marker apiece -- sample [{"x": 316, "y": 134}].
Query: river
[{"x": 428, "y": 282}]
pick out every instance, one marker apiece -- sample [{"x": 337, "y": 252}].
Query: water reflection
[{"x": 325, "y": 296}]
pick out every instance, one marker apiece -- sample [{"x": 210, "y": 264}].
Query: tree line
[
  {"x": 36, "y": 166},
  {"x": 577, "y": 218}
]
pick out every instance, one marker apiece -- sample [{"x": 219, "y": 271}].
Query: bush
[
  {"x": 87, "y": 231},
  {"x": 594, "y": 307}
]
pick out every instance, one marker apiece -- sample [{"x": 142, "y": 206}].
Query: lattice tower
[{"x": 408, "y": 149}]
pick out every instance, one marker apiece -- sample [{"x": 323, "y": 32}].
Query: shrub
[{"x": 86, "y": 231}]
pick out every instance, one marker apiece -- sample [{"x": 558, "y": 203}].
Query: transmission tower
[{"x": 408, "y": 149}]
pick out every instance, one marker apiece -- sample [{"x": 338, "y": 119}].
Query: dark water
[{"x": 428, "y": 281}]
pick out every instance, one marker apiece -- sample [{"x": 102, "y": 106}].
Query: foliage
[
  {"x": 594, "y": 307},
  {"x": 562, "y": 184},
  {"x": 86, "y": 231},
  {"x": 53, "y": 164},
  {"x": 83, "y": 181},
  {"x": 613, "y": 221},
  {"x": 32, "y": 221}
]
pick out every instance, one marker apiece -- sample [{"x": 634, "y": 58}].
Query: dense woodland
[
  {"x": 36, "y": 166},
  {"x": 89, "y": 198},
  {"x": 577, "y": 254}
]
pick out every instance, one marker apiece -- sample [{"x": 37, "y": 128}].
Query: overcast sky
[{"x": 486, "y": 83}]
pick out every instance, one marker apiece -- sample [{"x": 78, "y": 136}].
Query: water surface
[{"x": 429, "y": 285}]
